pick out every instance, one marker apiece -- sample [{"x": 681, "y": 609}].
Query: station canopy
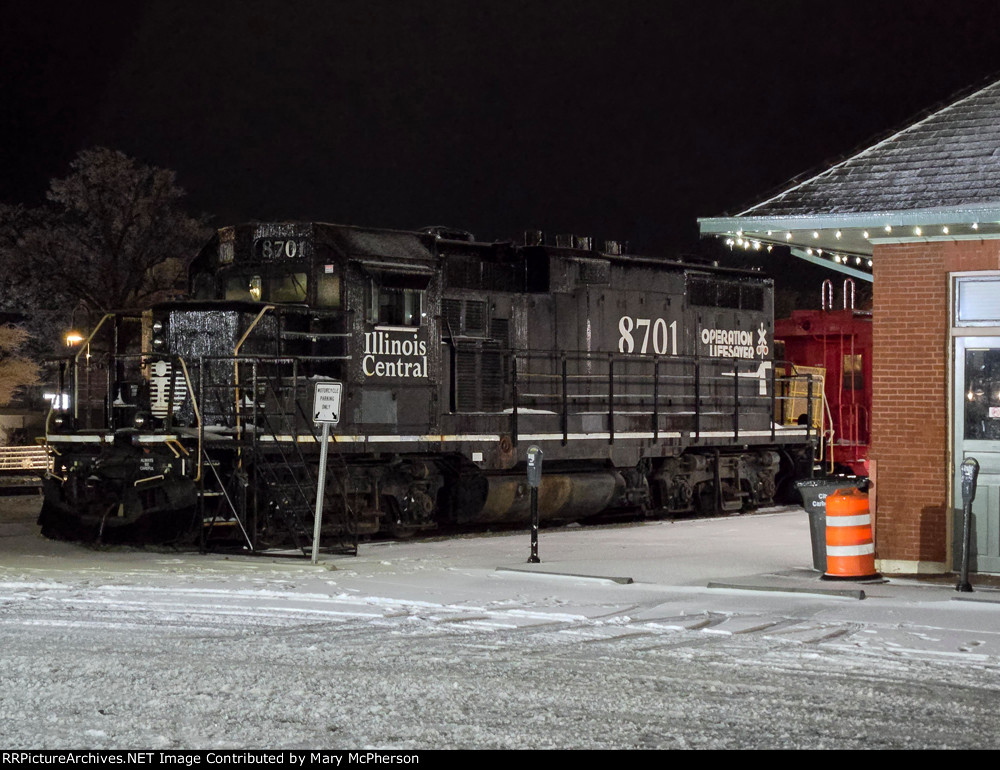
[{"x": 938, "y": 179}]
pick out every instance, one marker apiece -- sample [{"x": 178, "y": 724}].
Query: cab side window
[{"x": 397, "y": 299}]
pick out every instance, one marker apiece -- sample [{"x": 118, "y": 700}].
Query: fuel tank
[{"x": 561, "y": 497}]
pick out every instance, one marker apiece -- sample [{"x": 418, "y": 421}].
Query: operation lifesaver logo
[
  {"x": 735, "y": 343},
  {"x": 394, "y": 353}
]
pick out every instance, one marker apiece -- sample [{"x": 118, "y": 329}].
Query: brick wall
[{"x": 910, "y": 438}]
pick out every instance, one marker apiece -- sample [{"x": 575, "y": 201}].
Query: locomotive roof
[
  {"x": 681, "y": 264},
  {"x": 386, "y": 246}
]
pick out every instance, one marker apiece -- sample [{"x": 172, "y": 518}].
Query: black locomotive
[{"x": 648, "y": 384}]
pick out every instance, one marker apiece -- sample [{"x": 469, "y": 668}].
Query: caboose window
[{"x": 854, "y": 378}]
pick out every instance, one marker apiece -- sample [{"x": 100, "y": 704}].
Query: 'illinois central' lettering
[{"x": 388, "y": 355}]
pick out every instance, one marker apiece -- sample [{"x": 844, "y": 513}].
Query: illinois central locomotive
[{"x": 648, "y": 384}]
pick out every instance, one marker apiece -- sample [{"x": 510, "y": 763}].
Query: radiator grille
[{"x": 479, "y": 379}]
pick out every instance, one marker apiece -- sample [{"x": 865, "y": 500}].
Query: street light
[{"x": 73, "y": 336}]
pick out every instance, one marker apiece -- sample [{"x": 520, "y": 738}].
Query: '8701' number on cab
[{"x": 647, "y": 335}]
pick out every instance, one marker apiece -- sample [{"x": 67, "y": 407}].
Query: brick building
[{"x": 918, "y": 213}]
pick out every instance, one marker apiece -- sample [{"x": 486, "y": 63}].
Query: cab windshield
[{"x": 257, "y": 287}]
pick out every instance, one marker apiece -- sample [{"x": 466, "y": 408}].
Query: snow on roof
[{"x": 393, "y": 244}]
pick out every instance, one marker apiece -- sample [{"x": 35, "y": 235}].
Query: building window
[
  {"x": 977, "y": 301},
  {"x": 982, "y": 394}
]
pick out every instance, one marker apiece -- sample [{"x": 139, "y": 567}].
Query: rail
[
  {"x": 23, "y": 466},
  {"x": 24, "y": 458}
]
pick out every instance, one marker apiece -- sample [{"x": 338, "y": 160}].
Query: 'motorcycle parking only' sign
[{"x": 326, "y": 403}]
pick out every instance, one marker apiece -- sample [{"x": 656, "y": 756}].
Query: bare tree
[
  {"x": 16, "y": 370},
  {"x": 113, "y": 236}
]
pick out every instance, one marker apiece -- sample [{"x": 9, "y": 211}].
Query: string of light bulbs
[
  {"x": 756, "y": 244},
  {"x": 839, "y": 256}
]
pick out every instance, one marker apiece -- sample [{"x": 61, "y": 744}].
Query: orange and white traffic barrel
[{"x": 850, "y": 548}]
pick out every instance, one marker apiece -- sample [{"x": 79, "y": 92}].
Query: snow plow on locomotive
[{"x": 649, "y": 384}]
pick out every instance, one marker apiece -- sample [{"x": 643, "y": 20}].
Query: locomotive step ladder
[
  {"x": 222, "y": 512},
  {"x": 288, "y": 494}
]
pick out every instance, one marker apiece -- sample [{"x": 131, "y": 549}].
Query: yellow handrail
[{"x": 84, "y": 346}]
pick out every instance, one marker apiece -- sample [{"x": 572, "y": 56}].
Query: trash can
[
  {"x": 814, "y": 492},
  {"x": 850, "y": 547}
]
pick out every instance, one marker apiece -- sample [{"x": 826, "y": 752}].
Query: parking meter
[
  {"x": 970, "y": 474},
  {"x": 534, "y": 481}
]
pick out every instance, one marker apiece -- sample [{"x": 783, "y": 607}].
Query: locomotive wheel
[{"x": 396, "y": 522}]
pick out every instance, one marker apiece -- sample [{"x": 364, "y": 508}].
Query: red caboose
[{"x": 839, "y": 342}]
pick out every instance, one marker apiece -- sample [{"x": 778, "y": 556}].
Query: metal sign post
[
  {"x": 534, "y": 480},
  {"x": 326, "y": 412}
]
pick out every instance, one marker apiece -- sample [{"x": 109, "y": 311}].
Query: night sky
[{"x": 620, "y": 120}]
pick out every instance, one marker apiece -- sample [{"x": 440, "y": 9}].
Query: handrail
[
  {"x": 197, "y": 411},
  {"x": 565, "y": 384},
  {"x": 85, "y": 345},
  {"x": 236, "y": 365},
  {"x": 86, "y": 342},
  {"x": 848, "y": 282},
  {"x": 24, "y": 458},
  {"x": 824, "y": 433}
]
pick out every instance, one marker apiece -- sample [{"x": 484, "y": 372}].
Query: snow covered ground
[{"x": 460, "y": 644}]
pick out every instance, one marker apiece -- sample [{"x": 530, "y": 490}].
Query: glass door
[{"x": 977, "y": 434}]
